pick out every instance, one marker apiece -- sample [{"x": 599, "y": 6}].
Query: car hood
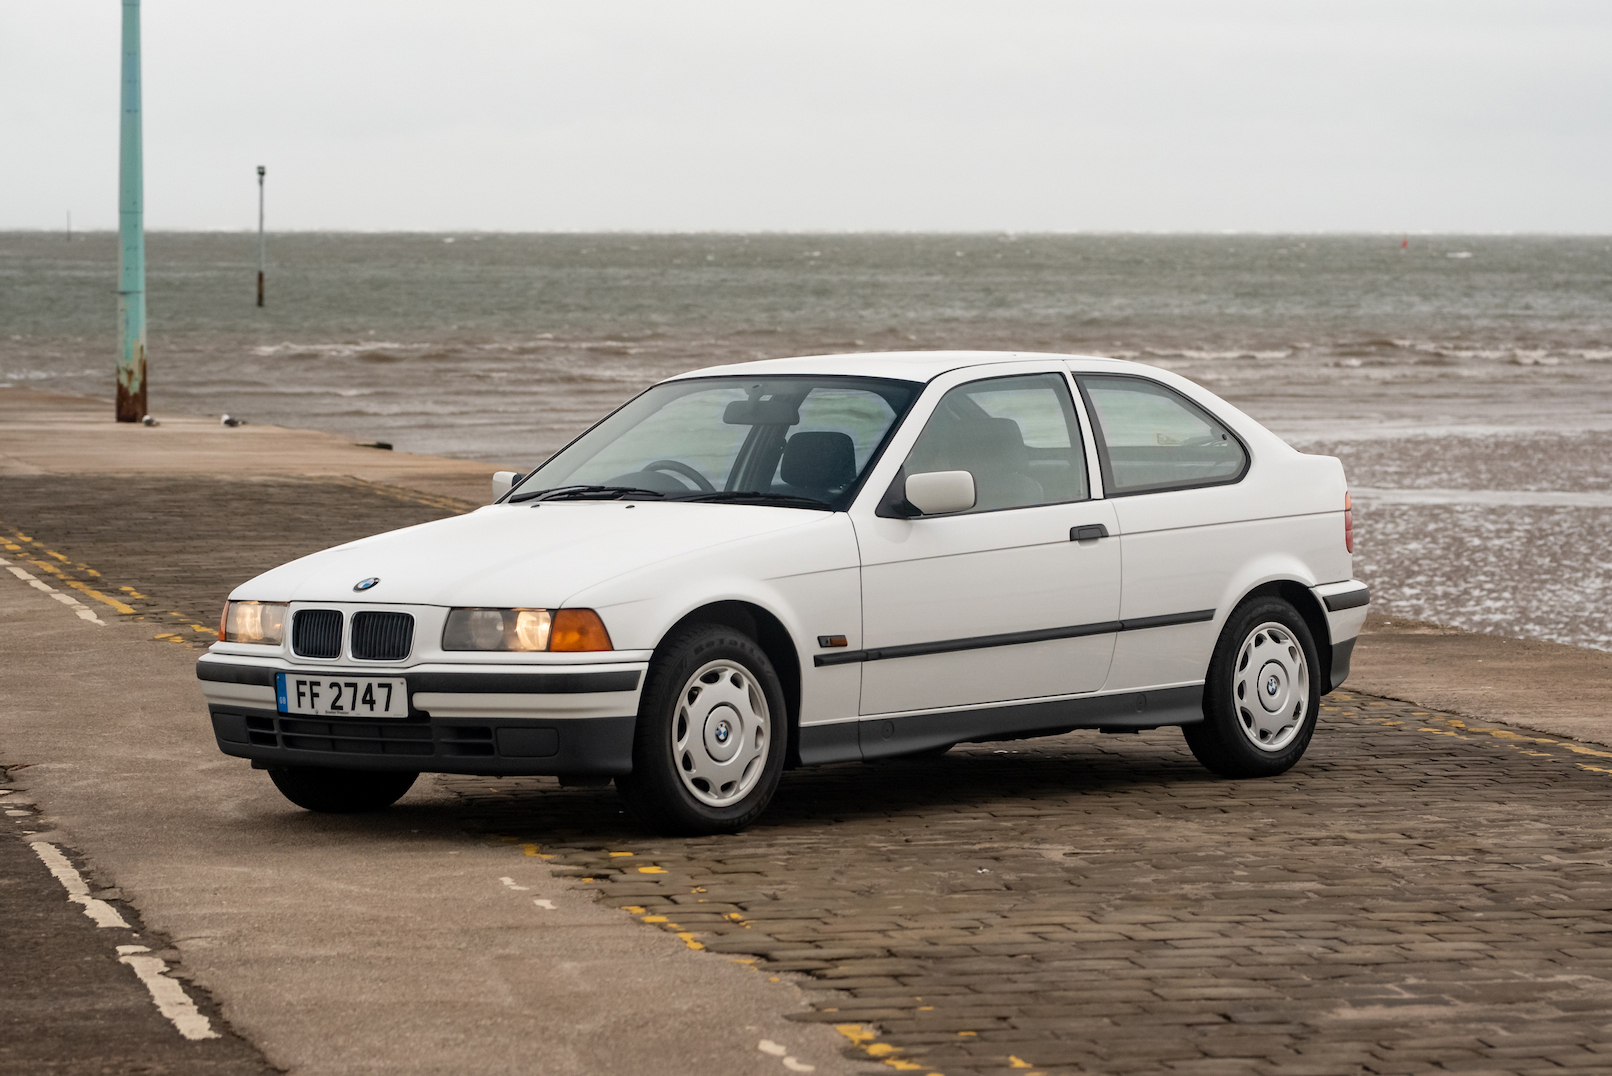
[{"x": 515, "y": 555}]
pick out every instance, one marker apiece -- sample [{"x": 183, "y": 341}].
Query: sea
[{"x": 1466, "y": 381}]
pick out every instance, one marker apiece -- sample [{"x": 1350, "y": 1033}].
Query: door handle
[{"x": 1089, "y": 532}]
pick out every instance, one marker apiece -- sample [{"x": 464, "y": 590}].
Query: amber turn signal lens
[{"x": 577, "y": 630}]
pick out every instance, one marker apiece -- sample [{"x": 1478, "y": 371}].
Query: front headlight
[
  {"x": 253, "y": 622},
  {"x": 525, "y": 630}
]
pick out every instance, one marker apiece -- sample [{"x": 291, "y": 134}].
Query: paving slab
[{"x": 47, "y": 433}]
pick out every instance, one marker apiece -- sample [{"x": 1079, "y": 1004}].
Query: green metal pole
[{"x": 131, "y": 405}]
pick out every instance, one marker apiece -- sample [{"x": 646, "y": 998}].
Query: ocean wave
[
  {"x": 349, "y": 350},
  {"x": 1212, "y": 354}
]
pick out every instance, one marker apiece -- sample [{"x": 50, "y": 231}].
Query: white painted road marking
[
  {"x": 509, "y": 883},
  {"x": 767, "y": 1046},
  {"x": 82, "y": 611},
  {"x": 171, "y": 999},
  {"x": 77, "y": 891}
]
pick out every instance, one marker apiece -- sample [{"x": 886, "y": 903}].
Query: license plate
[{"x": 325, "y": 695}]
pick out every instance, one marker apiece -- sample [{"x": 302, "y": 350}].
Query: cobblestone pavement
[
  {"x": 1420, "y": 895},
  {"x": 169, "y": 550}
]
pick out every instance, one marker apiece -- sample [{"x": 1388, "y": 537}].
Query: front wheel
[
  {"x": 709, "y": 746},
  {"x": 1262, "y": 694},
  {"x": 333, "y": 791}
]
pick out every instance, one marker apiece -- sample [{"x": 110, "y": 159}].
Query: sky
[{"x": 821, "y": 115}]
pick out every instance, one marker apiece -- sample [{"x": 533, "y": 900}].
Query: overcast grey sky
[{"x": 1197, "y": 115}]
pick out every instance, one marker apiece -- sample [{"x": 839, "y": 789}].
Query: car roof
[{"x": 908, "y": 365}]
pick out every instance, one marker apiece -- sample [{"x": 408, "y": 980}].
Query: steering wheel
[{"x": 700, "y": 481}]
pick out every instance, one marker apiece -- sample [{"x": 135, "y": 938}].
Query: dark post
[{"x": 260, "y": 249}]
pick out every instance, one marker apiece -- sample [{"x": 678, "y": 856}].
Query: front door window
[{"x": 1017, "y": 436}]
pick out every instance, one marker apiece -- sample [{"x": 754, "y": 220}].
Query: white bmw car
[{"x": 802, "y": 561}]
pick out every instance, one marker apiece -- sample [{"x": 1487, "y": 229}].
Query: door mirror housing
[
  {"x": 503, "y": 481},
  {"x": 937, "y": 493}
]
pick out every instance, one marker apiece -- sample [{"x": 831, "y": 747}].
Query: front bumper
[{"x": 494, "y": 721}]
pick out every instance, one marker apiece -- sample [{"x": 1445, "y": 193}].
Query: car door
[
  {"x": 1015, "y": 598},
  {"x": 1173, "y": 472}
]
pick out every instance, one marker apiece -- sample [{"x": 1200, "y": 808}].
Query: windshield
[{"x": 799, "y": 440}]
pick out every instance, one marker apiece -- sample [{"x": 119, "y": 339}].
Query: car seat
[{"x": 818, "y": 464}]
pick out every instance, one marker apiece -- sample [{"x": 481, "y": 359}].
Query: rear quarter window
[{"x": 1151, "y": 438}]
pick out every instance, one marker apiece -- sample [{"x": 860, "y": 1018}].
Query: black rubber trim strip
[
  {"x": 1349, "y": 599},
  {"x": 1013, "y": 638},
  {"x": 1341, "y": 654},
  {"x": 558, "y": 683},
  {"x": 220, "y": 673},
  {"x": 894, "y": 734}
]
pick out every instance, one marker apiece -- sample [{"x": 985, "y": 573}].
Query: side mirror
[
  {"x": 938, "y": 492},
  {"x": 503, "y": 481}
]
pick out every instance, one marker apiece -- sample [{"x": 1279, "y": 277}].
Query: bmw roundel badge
[{"x": 365, "y": 584}]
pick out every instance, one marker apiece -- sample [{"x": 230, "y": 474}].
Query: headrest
[
  {"x": 1000, "y": 441},
  {"x": 821, "y": 461}
]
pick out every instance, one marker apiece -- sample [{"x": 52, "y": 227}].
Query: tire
[
  {"x": 333, "y": 791},
  {"x": 711, "y": 735},
  {"x": 1262, "y": 693}
]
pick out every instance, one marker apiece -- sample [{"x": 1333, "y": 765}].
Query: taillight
[{"x": 1348, "y": 525}]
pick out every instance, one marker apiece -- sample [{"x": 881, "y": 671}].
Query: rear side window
[{"x": 1152, "y": 438}]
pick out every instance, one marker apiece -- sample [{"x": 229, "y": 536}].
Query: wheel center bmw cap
[
  {"x": 1271, "y": 686},
  {"x": 722, "y": 728},
  {"x": 365, "y": 584}
]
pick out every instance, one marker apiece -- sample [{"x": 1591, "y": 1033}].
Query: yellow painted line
[
  {"x": 121, "y": 607},
  {"x": 613, "y": 855},
  {"x": 651, "y": 870},
  {"x": 79, "y": 609},
  {"x": 688, "y": 939},
  {"x": 82, "y": 588}
]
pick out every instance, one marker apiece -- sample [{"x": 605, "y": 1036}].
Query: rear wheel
[
  {"x": 709, "y": 746},
  {"x": 333, "y": 791},
  {"x": 1262, "y": 694}
]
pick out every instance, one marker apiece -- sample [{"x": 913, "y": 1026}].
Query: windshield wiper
[
  {"x": 756, "y": 497},
  {"x": 602, "y": 493}
]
